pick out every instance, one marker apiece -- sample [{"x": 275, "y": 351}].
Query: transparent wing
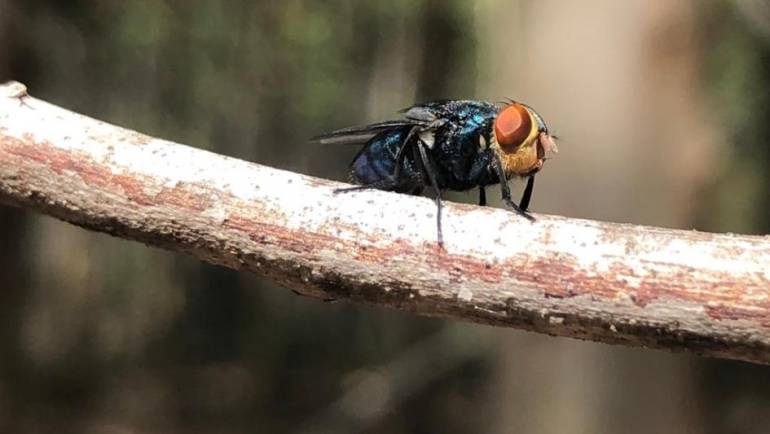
[{"x": 359, "y": 134}]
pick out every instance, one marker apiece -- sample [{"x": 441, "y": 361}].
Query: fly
[{"x": 450, "y": 145}]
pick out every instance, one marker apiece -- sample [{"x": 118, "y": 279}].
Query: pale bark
[{"x": 608, "y": 282}]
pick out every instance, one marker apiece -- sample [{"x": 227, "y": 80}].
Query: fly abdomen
[{"x": 376, "y": 162}]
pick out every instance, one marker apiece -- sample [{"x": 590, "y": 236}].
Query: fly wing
[
  {"x": 426, "y": 112},
  {"x": 420, "y": 114},
  {"x": 360, "y": 134},
  {"x": 417, "y": 115}
]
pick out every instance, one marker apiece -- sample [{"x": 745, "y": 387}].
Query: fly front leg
[
  {"x": 506, "y": 191},
  {"x": 524, "y": 203},
  {"x": 479, "y": 175}
]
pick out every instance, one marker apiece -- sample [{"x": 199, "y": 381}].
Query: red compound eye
[{"x": 512, "y": 126}]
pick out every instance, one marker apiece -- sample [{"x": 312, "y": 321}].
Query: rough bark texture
[{"x": 615, "y": 283}]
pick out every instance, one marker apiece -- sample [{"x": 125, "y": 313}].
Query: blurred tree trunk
[{"x": 619, "y": 99}]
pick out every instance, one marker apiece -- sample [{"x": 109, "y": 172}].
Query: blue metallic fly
[{"x": 450, "y": 145}]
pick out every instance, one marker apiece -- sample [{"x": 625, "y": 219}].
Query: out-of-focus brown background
[{"x": 664, "y": 112}]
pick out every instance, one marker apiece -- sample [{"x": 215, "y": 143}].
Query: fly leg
[
  {"x": 432, "y": 178},
  {"x": 479, "y": 174},
  {"x": 524, "y": 203},
  {"x": 383, "y": 184},
  {"x": 400, "y": 155},
  {"x": 417, "y": 129},
  {"x": 507, "y": 191},
  {"x": 482, "y": 196}
]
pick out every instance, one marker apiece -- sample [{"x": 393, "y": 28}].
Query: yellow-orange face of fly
[{"x": 521, "y": 139}]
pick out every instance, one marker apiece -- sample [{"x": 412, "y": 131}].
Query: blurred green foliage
[
  {"x": 737, "y": 69},
  {"x": 158, "y": 342}
]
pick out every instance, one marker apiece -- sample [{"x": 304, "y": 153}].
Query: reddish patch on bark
[
  {"x": 297, "y": 241},
  {"x": 464, "y": 267},
  {"x": 320, "y": 182},
  {"x": 459, "y": 267},
  {"x": 722, "y": 312},
  {"x": 559, "y": 276},
  {"x": 135, "y": 139},
  {"x": 563, "y": 277},
  {"x": 197, "y": 197},
  {"x": 133, "y": 186}
]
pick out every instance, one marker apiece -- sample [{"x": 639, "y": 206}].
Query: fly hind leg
[
  {"x": 482, "y": 196},
  {"x": 383, "y": 184},
  {"x": 402, "y": 184},
  {"x": 431, "y": 173}
]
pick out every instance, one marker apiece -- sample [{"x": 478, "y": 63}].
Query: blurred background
[{"x": 663, "y": 110}]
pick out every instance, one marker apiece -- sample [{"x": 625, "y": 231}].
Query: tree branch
[{"x": 616, "y": 283}]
